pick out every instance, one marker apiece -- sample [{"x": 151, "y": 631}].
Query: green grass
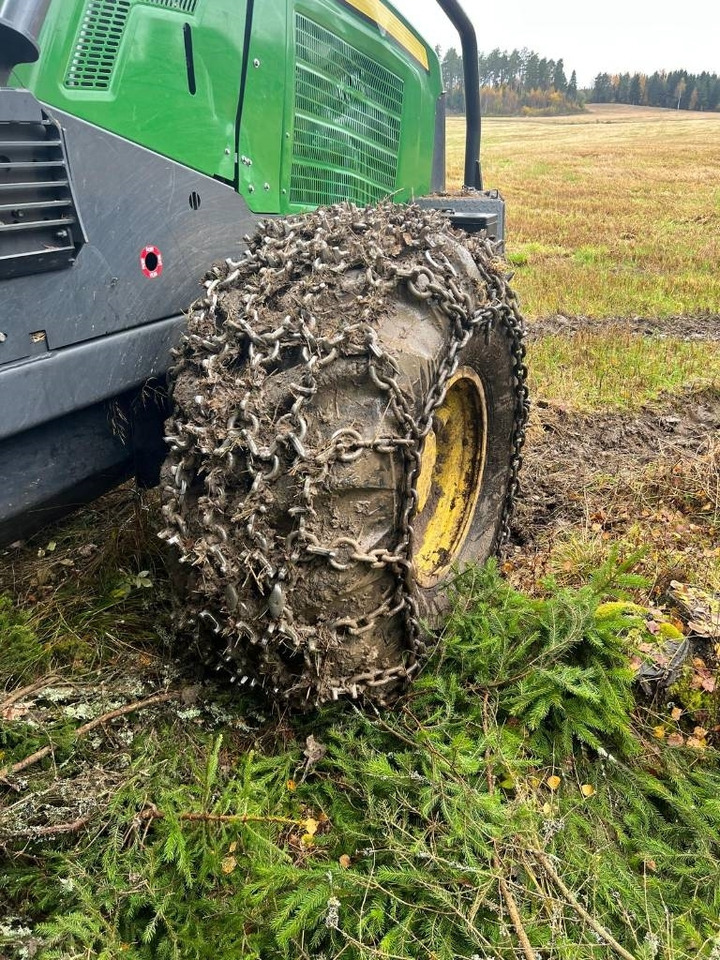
[
  {"x": 79, "y": 584},
  {"x": 625, "y": 197},
  {"x": 607, "y": 370}
]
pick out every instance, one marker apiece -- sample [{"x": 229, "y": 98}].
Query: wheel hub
[{"x": 450, "y": 477}]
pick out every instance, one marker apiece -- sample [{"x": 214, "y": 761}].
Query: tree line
[
  {"x": 522, "y": 82},
  {"x": 677, "y": 89},
  {"x": 516, "y": 82}
]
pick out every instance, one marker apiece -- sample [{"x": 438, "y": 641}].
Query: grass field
[
  {"x": 524, "y": 799},
  {"x": 613, "y": 213}
]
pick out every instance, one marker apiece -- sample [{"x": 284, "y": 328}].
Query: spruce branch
[
  {"x": 50, "y": 830},
  {"x": 152, "y": 813},
  {"x": 579, "y": 908},
  {"x": 86, "y": 728}
]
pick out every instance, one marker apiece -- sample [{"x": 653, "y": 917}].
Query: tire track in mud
[
  {"x": 567, "y": 451},
  {"x": 700, "y": 327}
]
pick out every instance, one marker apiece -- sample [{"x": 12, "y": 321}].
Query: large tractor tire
[{"x": 349, "y": 410}]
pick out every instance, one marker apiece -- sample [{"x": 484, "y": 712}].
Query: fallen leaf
[
  {"x": 703, "y": 609},
  {"x": 14, "y": 713}
]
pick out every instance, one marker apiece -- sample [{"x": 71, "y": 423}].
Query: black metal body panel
[
  {"x": 47, "y": 471},
  {"x": 473, "y": 211},
  {"x": 129, "y": 199},
  {"x": 65, "y": 380}
]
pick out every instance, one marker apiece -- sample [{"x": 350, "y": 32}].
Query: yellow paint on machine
[
  {"x": 380, "y": 14},
  {"x": 450, "y": 477}
]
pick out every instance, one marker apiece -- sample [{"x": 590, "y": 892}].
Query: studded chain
[{"x": 233, "y": 346}]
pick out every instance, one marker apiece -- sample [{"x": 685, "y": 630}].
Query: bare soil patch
[
  {"x": 701, "y": 327},
  {"x": 568, "y": 451}
]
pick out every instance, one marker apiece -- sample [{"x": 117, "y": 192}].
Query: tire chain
[{"x": 328, "y": 242}]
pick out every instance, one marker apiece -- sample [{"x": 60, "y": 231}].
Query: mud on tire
[{"x": 330, "y": 390}]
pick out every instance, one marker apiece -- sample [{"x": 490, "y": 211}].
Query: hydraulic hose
[{"x": 20, "y": 25}]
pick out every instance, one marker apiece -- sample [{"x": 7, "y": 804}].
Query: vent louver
[
  {"x": 348, "y": 111},
  {"x": 100, "y": 36},
  {"x": 182, "y": 6},
  {"x": 39, "y": 225}
]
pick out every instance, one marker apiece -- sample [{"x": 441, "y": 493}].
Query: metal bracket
[{"x": 477, "y": 212}]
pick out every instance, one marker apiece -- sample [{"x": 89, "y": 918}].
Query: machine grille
[
  {"x": 100, "y": 36},
  {"x": 348, "y": 111},
  {"x": 39, "y": 225},
  {"x": 97, "y": 45},
  {"x": 182, "y": 6}
]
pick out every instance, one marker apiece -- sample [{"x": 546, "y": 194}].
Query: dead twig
[
  {"x": 51, "y": 830},
  {"x": 86, "y": 728},
  {"x": 514, "y": 912},
  {"x": 23, "y": 692},
  {"x": 152, "y": 813},
  {"x": 579, "y": 908}
]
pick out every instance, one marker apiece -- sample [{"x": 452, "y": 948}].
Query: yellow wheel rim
[{"x": 451, "y": 473}]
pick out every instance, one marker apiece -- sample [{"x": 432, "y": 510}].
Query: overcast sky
[{"x": 612, "y": 36}]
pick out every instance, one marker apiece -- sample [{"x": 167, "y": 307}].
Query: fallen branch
[
  {"x": 86, "y": 728},
  {"x": 152, "y": 813},
  {"x": 51, "y": 830},
  {"x": 514, "y": 912},
  {"x": 579, "y": 908},
  {"x": 23, "y": 692}
]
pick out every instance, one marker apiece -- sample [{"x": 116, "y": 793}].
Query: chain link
[{"x": 224, "y": 434}]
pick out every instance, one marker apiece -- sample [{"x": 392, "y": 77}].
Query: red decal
[{"x": 151, "y": 262}]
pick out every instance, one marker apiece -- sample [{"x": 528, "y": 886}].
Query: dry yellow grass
[{"x": 615, "y": 212}]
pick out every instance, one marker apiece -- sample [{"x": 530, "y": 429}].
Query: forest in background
[
  {"x": 677, "y": 89},
  {"x": 523, "y": 83}
]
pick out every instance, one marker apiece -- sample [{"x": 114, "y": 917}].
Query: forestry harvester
[{"x": 347, "y": 401}]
